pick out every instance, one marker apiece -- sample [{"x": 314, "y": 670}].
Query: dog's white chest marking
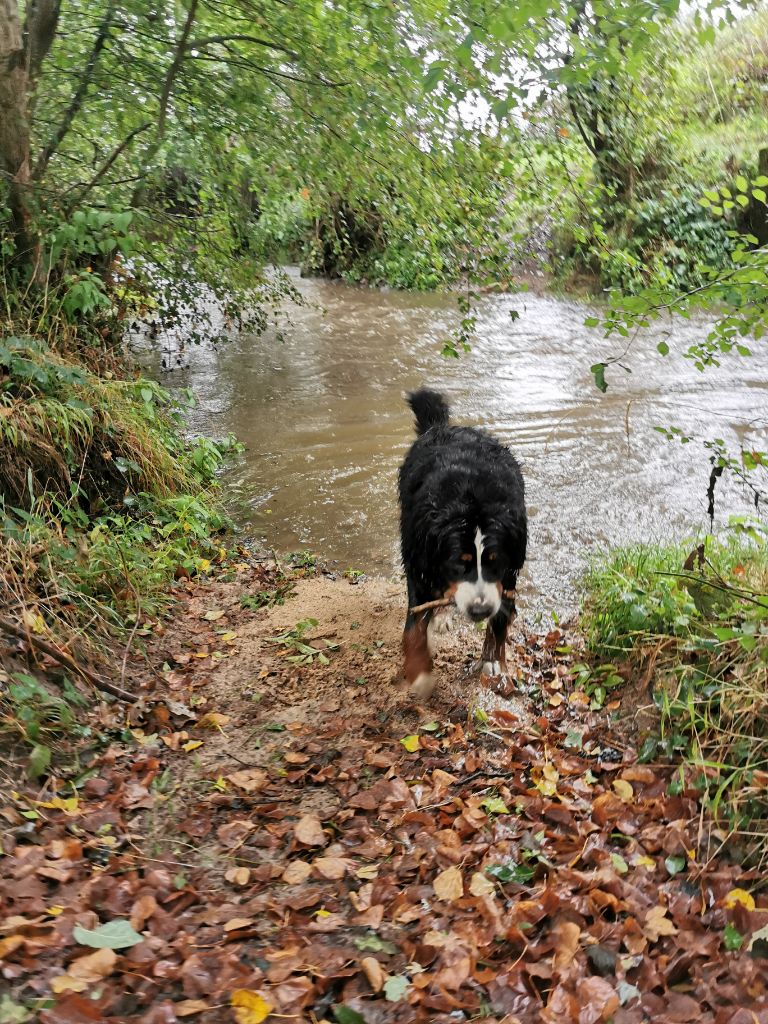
[{"x": 481, "y": 595}]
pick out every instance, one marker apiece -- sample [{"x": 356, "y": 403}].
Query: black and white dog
[{"x": 464, "y": 531}]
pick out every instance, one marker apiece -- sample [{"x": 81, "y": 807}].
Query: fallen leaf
[
  {"x": 411, "y": 743},
  {"x": 85, "y": 972},
  {"x": 237, "y": 923},
  {"x": 623, "y": 790},
  {"x": 309, "y": 831},
  {"x": 70, "y": 805},
  {"x": 112, "y": 935},
  {"x": 249, "y": 1006},
  {"x": 296, "y": 872},
  {"x": 250, "y": 780},
  {"x": 374, "y": 972},
  {"x": 192, "y": 745},
  {"x": 395, "y": 988},
  {"x": 188, "y": 1007},
  {"x": 567, "y": 936},
  {"x": 331, "y": 868},
  {"x": 449, "y": 885},
  {"x": 657, "y": 924},
  {"x": 739, "y": 896},
  {"x": 213, "y": 720},
  {"x": 214, "y": 614},
  {"x": 238, "y": 876},
  {"x": 481, "y": 885}
]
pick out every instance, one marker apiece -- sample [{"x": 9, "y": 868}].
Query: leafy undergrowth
[
  {"x": 102, "y": 504},
  {"x": 694, "y": 625},
  {"x": 267, "y": 838}
]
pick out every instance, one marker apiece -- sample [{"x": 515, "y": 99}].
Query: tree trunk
[{"x": 14, "y": 134}]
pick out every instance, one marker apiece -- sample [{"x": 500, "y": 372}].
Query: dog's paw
[
  {"x": 423, "y": 685},
  {"x": 492, "y": 669}
]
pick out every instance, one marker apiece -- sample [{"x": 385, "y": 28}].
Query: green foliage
[{"x": 696, "y": 623}]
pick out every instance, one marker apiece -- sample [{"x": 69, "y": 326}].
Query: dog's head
[{"x": 480, "y": 564}]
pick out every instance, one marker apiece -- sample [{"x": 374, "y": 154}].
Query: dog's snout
[{"x": 479, "y": 610}]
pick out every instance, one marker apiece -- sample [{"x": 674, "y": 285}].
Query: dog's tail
[{"x": 430, "y": 409}]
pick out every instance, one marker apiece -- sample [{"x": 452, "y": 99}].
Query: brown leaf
[
  {"x": 373, "y": 971},
  {"x": 188, "y": 1007},
  {"x": 598, "y": 1000},
  {"x": 238, "y": 876},
  {"x": 250, "y": 780},
  {"x": 85, "y": 972},
  {"x": 309, "y": 831},
  {"x": 566, "y": 936},
  {"x": 142, "y": 910},
  {"x": 296, "y": 872},
  {"x": 237, "y": 923},
  {"x": 657, "y": 924},
  {"x": 330, "y": 868},
  {"x": 449, "y": 885}
]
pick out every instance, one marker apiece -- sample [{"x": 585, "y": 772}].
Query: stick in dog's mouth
[{"x": 443, "y": 602}]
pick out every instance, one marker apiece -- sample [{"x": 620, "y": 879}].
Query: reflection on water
[{"x": 322, "y": 415}]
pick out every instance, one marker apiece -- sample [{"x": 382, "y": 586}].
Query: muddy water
[{"x": 322, "y": 415}]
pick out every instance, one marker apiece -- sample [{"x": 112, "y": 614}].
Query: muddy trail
[{"x": 277, "y": 832}]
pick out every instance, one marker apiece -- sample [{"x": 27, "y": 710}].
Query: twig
[
  {"x": 442, "y": 602},
  {"x": 65, "y": 659}
]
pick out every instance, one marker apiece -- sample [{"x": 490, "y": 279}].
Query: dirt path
[{"x": 302, "y": 839}]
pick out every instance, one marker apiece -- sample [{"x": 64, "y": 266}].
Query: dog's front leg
[
  {"x": 494, "y": 658},
  {"x": 417, "y": 659}
]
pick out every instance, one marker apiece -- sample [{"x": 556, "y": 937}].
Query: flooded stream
[{"x": 322, "y": 416}]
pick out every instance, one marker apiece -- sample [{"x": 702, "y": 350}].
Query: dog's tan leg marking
[{"x": 417, "y": 659}]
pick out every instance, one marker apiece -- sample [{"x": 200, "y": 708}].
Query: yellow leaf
[
  {"x": 204, "y": 564},
  {"x": 739, "y": 896},
  {"x": 411, "y": 743},
  {"x": 449, "y": 885},
  {"x": 645, "y": 862},
  {"x": 623, "y": 790},
  {"x": 33, "y": 621},
  {"x": 249, "y": 1006},
  {"x": 214, "y": 615},
  {"x": 69, "y": 805},
  {"x": 192, "y": 745},
  {"x": 228, "y": 638},
  {"x": 481, "y": 885},
  {"x": 213, "y": 720}
]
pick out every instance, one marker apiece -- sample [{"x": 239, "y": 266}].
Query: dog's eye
[
  {"x": 466, "y": 558},
  {"x": 492, "y": 556}
]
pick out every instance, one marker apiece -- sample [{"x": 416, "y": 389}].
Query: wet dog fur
[{"x": 463, "y": 531}]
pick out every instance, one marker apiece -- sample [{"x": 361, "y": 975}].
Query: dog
[{"x": 463, "y": 532}]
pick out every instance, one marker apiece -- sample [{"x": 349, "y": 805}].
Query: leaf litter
[{"x": 301, "y": 862}]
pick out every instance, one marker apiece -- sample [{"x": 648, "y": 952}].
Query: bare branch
[
  {"x": 108, "y": 163},
  {"x": 173, "y": 70},
  {"x": 79, "y": 95},
  {"x": 198, "y": 44}
]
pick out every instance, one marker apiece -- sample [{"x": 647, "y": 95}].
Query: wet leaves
[{"x": 315, "y": 868}]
